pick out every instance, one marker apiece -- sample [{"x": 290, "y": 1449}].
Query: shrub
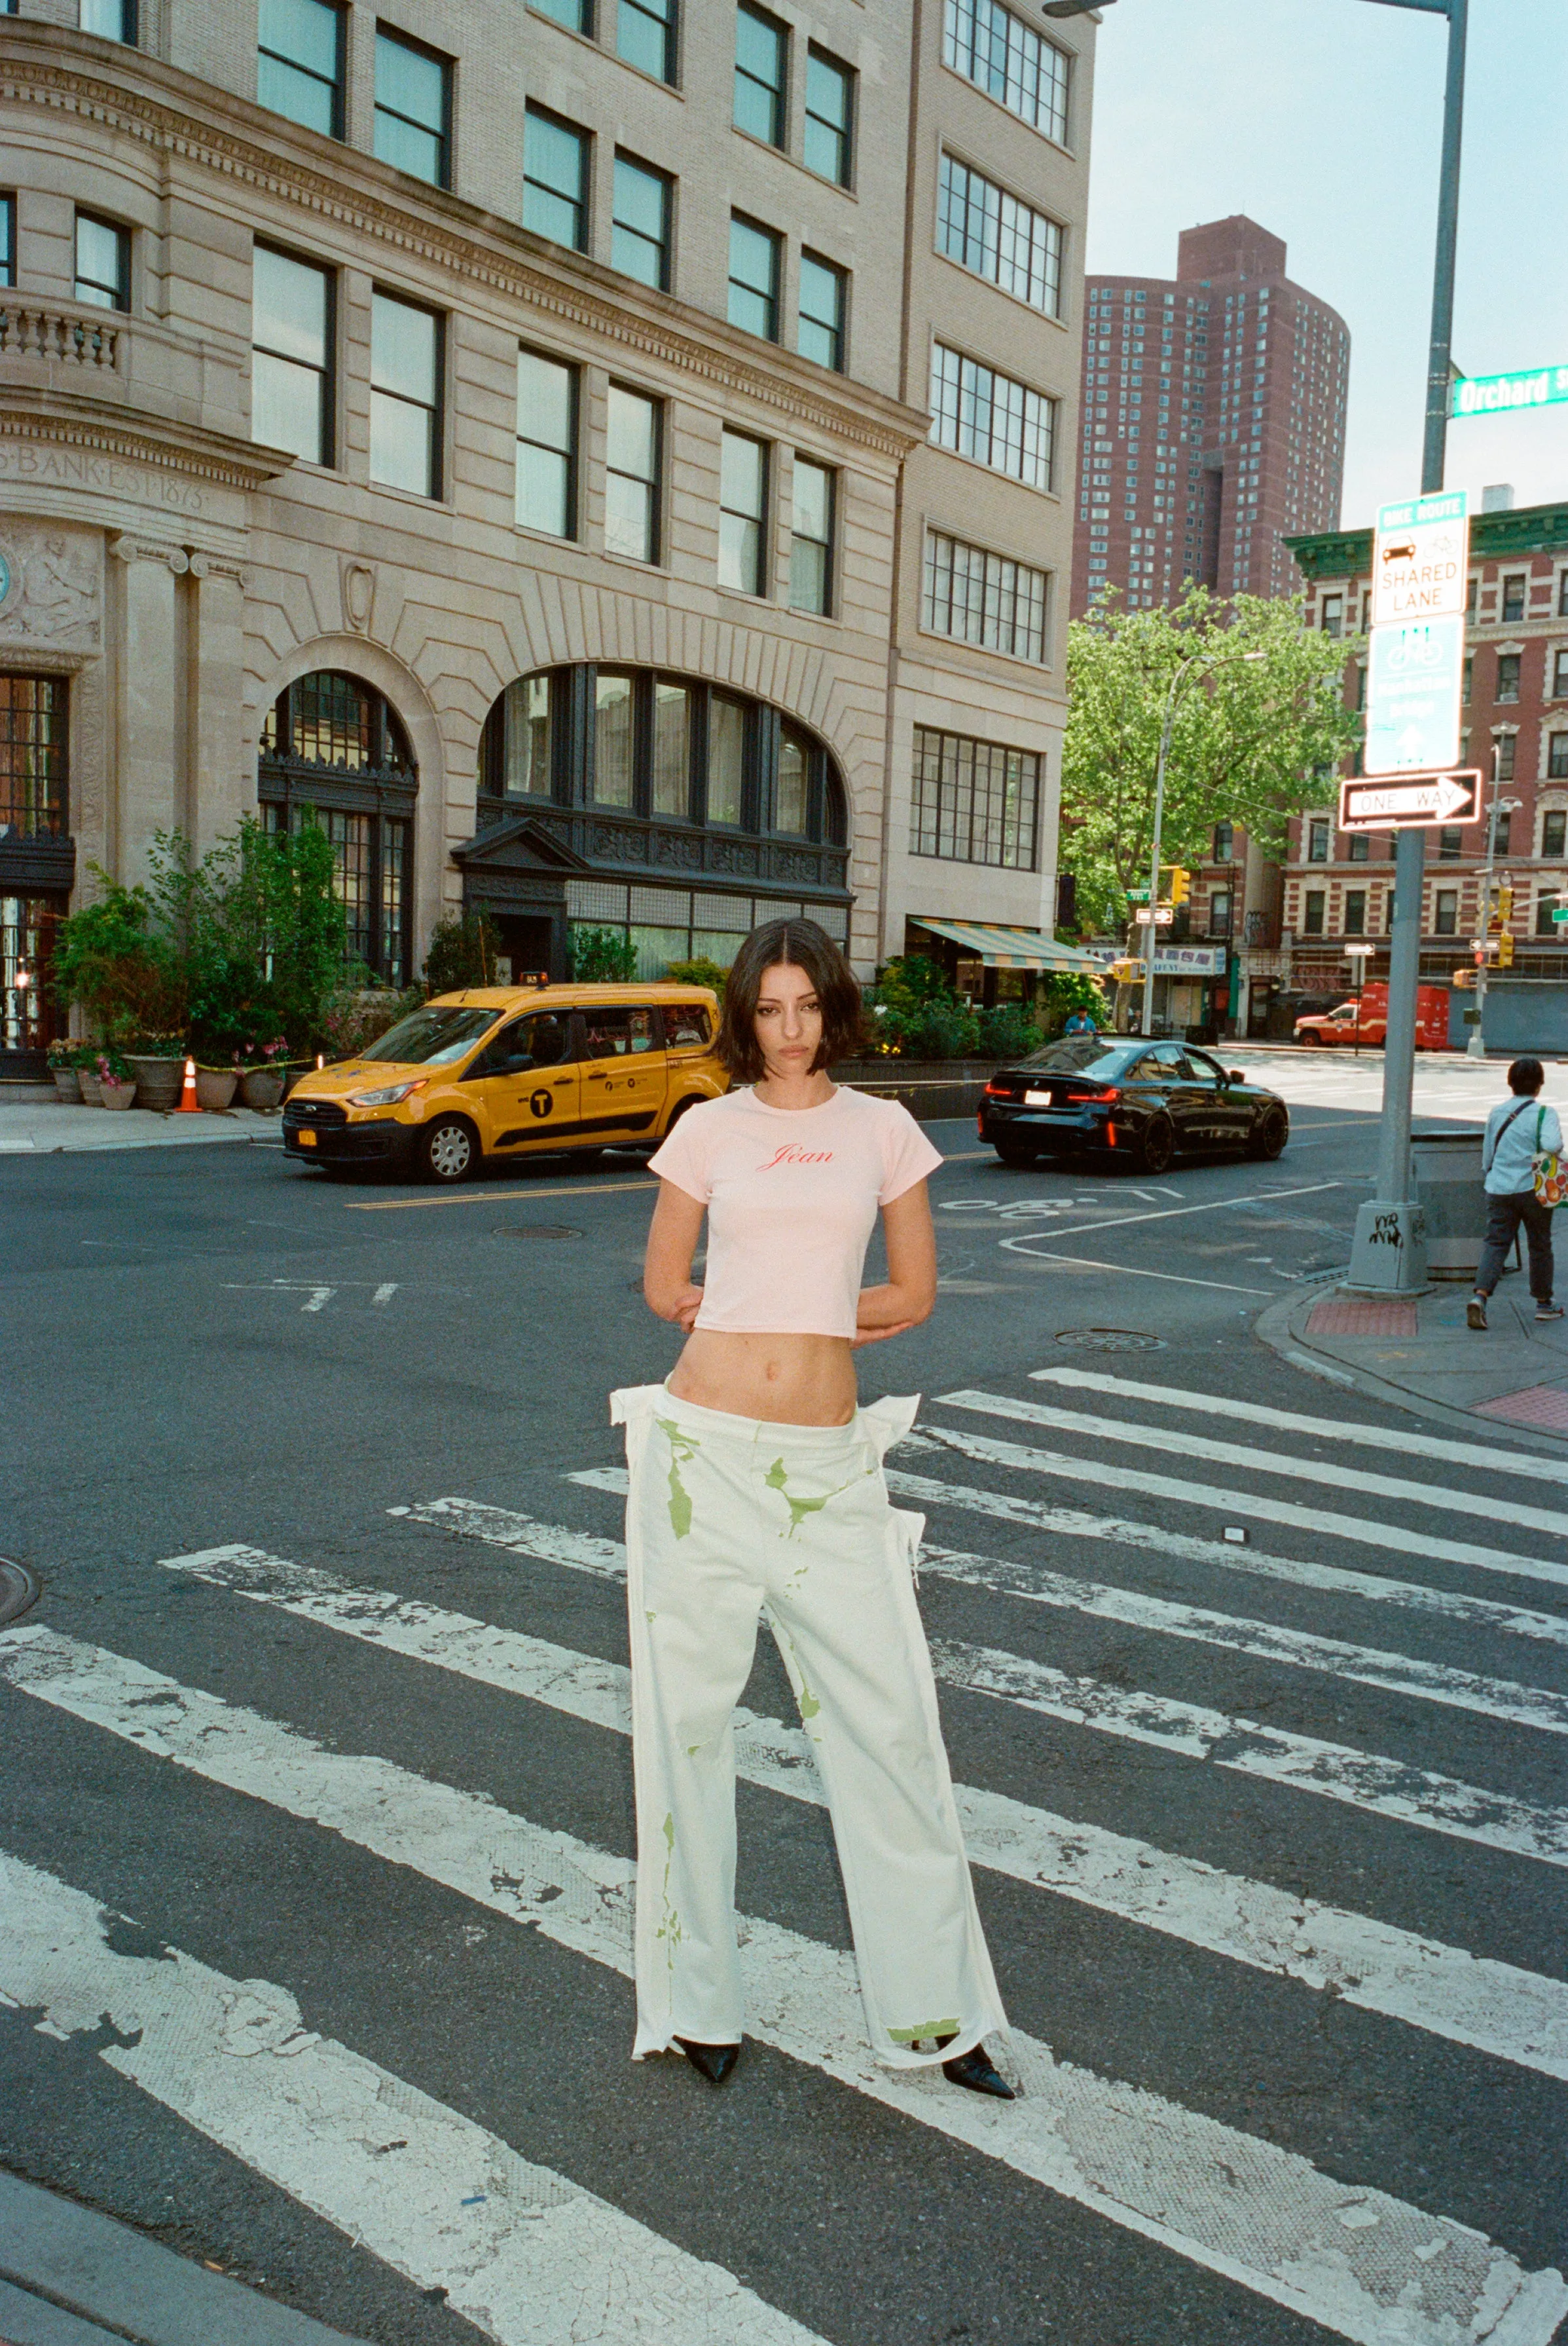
[
  {"x": 356, "y": 1016},
  {"x": 117, "y": 962},
  {"x": 1010, "y": 1031},
  {"x": 600, "y": 957},
  {"x": 461, "y": 953},
  {"x": 699, "y": 970}
]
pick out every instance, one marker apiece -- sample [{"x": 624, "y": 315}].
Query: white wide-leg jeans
[{"x": 727, "y": 1517}]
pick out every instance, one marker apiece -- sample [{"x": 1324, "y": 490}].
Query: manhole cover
[
  {"x": 19, "y": 1589},
  {"x": 536, "y": 1231},
  {"x": 1111, "y": 1339}
]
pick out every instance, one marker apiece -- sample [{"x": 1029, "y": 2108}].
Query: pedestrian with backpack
[{"x": 1522, "y": 1162}]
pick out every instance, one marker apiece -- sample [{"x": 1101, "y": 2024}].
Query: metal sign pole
[{"x": 1388, "y": 1256}]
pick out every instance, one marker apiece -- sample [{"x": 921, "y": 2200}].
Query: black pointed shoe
[
  {"x": 715, "y": 2061},
  {"x": 974, "y": 2069}
]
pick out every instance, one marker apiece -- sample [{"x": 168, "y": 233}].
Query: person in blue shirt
[
  {"x": 1517, "y": 1131},
  {"x": 1079, "y": 1021}
]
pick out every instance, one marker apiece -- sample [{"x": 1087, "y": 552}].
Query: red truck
[{"x": 1329, "y": 1028}]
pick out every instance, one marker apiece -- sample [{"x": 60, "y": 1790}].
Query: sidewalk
[
  {"x": 1419, "y": 1351},
  {"x": 71, "y": 2278},
  {"x": 45, "y": 1128}
]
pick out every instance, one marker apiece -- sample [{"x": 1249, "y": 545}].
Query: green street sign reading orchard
[{"x": 1494, "y": 394}]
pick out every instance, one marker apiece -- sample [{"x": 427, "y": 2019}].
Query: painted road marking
[
  {"x": 1351, "y": 2258},
  {"x": 1366, "y": 1530},
  {"x": 1130, "y": 1271},
  {"x": 523, "y": 2252},
  {"x": 517, "y": 1196},
  {"x": 1258, "y": 1460},
  {"x": 1072, "y": 1523},
  {"x": 1492, "y": 1461},
  {"x": 1173, "y": 1213},
  {"x": 1513, "y": 2014}
]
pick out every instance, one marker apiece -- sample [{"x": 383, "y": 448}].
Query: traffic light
[
  {"x": 1505, "y": 901},
  {"x": 1505, "y": 952},
  {"x": 1463, "y": 980},
  {"x": 1181, "y": 884}
]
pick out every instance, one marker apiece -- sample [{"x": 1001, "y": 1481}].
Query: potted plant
[
  {"x": 157, "y": 1062},
  {"x": 216, "y": 1087},
  {"x": 87, "y": 1073},
  {"x": 117, "y": 1085},
  {"x": 63, "y": 1067},
  {"x": 263, "y": 1069}
]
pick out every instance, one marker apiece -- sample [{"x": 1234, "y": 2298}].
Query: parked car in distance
[
  {"x": 1130, "y": 1102},
  {"x": 511, "y": 1071},
  {"x": 1330, "y": 1029}
]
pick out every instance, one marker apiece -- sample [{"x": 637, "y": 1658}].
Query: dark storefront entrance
[{"x": 38, "y": 865}]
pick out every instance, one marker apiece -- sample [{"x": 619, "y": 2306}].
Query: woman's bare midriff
[{"x": 783, "y": 1380}]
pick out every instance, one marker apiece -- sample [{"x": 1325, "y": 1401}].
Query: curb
[
  {"x": 70, "y": 2277},
  {"x": 1282, "y": 1327}
]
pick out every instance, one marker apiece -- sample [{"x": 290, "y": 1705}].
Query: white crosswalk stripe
[
  {"x": 1517, "y": 2015},
  {"x": 1349, "y": 2256}
]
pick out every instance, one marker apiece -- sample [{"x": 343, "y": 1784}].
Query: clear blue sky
[{"x": 1322, "y": 119}]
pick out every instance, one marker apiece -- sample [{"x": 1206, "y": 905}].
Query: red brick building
[
  {"x": 1335, "y": 888},
  {"x": 1213, "y": 422}
]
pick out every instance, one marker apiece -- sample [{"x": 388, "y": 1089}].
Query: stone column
[
  {"x": 150, "y": 701},
  {"x": 217, "y": 786}
]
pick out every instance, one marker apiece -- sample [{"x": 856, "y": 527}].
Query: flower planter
[
  {"x": 112, "y": 1095},
  {"x": 88, "y": 1084},
  {"x": 216, "y": 1087},
  {"x": 68, "y": 1089},
  {"x": 158, "y": 1081},
  {"x": 261, "y": 1088}
]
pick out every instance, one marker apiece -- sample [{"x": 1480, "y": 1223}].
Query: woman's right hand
[{"x": 685, "y": 1309}]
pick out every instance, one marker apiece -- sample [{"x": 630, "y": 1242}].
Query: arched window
[{"x": 335, "y": 745}]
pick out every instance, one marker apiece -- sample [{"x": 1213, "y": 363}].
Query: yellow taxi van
[{"x": 508, "y": 1072}]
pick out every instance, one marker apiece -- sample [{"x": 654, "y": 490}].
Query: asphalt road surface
[{"x": 316, "y": 1821}]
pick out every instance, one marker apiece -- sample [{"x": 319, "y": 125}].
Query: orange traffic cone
[{"x": 188, "y": 1103}]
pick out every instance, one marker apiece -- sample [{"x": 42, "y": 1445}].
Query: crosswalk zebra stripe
[
  {"x": 1352, "y": 2259},
  {"x": 1367, "y": 1531},
  {"x": 471, "y": 1520},
  {"x": 1515, "y": 2014},
  {"x": 1497, "y": 1460},
  {"x": 1390, "y": 1789},
  {"x": 1252, "y": 1460},
  {"x": 530, "y": 2258}
]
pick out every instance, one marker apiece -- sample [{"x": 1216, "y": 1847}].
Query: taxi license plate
[
  {"x": 306, "y": 1139},
  {"x": 1038, "y": 1099}
]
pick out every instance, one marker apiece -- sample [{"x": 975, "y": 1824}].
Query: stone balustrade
[{"x": 72, "y": 337}]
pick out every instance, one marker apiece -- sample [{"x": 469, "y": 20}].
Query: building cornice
[
  {"x": 63, "y": 420},
  {"x": 1493, "y": 537},
  {"x": 176, "y": 114}
]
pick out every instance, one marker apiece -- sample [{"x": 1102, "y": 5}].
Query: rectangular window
[
  {"x": 555, "y": 178},
  {"x": 1449, "y": 845},
  {"x": 811, "y": 545},
  {"x": 1557, "y": 769},
  {"x": 413, "y": 109},
  {"x": 820, "y": 335},
  {"x": 1359, "y": 846},
  {"x": 291, "y": 390},
  {"x": 761, "y": 57},
  {"x": 792, "y": 796},
  {"x": 1554, "y": 821},
  {"x": 112, "y": 20},
  {"x": 726, "y": 759},
  {"x": 979, "y": 413},
  {"x": 613, "y": 726},
  {"x": 1355, "y": 911},
  {"x": 1563, "y": 596},
  {"x": 1502, "y": 825},
  {"x": 830, "y": 98},
  {"x": 1513, "y": 593},
  {"x": 1331, "y": 615},
  {"x": 753, "y": 278},
  {"x": 742, "y": 512},
  {"x": 32, "y": 744},
  {"x": 7, "y": 240},
  {"x": 1546, "y": 904},
  {"x": 527, "y": 738},
  {"x": 546, "y": 445},
  {"x": 1219, "y": 912},
  {"x": 1464, "y": 688},
  {"x": 577, "y": 16},
  {"x": 640, "y": 231},
  {"x": 632, "y": 440},
  {"x": 299, "y": 62},
  {"x": 1009, "y": 59},
  {"x": 645, "y": 37},
  {"x": 985, "y": 599},
  {"x": 405, "y": 395},
  {"x": 1318, "y": 840},
  {"x": 1560, "y": 672},
  {"x": 1223, "y": 843},
  {"x": 974, "y": 801},
  {"x": 1508, "y": 676},
  {"x": 1445, "y": 912},
  {"x": 999, "y": 237},
  {"x": 672, "y": 749},
  {"x": 1312, "y": 912},
  {"x": 103, "y": 262}
]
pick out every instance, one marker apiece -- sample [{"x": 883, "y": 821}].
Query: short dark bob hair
[
  {"x": 1526, "y": 1076},
  {"x": 803, "y": 945}
]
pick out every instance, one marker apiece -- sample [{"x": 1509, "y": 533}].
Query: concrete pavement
[{"x": 49, "y": 1129}]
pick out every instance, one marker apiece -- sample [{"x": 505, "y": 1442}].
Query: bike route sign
[
  {"x": 1419, "y": 560},
  {"x": 1415, "y": 672}
]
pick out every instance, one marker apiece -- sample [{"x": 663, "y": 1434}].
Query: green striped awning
[{"x": 1008, "y": 948}]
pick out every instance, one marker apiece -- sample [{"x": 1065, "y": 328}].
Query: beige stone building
[{"x": 510, "y": 432}]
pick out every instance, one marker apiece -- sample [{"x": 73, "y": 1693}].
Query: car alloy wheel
[
  {"x": 1269, "y": 1134},
  {"x": 1158, "y": 1144},
  {"x": 449, "y": 1150}
]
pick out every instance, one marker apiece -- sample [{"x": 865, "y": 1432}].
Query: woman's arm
[
  {"x": 667, "y": 1266},
  {"x": 909, "y": 1294}
]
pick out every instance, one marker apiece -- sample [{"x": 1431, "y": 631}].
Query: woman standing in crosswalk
[{"x": 757, "y": 1487}]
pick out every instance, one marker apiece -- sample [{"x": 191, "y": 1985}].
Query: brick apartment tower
[{"x": 1213, "y": 422}]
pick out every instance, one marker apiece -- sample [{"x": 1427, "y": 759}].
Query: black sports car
[{"x": 1137, "y": 1102}]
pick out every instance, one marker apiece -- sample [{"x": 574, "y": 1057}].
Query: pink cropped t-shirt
[{"x": 792, "y": 1197}]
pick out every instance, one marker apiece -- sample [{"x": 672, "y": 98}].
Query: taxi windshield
[
  {"x": 1086, "y": 1055},
  {"x": 432, "y": 1037}
]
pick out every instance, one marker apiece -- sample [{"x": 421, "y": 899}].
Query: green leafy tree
[
  {"x": 461, "y": 953},
  {"x": 1250, "y": 746},
  {"x": 121, "y": 964},
  {"x": 699, "y": 970},
  {"x": 601, "y": 956}
]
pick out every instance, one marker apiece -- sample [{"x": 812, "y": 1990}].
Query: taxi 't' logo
[{"x": 539, "y": 1103}]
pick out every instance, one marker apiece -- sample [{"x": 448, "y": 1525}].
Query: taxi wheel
[
  {"x": 448, "y": 1150},
  {"x": 1158, "y": 1144},
  {"x": 1269, "y": 1135}
]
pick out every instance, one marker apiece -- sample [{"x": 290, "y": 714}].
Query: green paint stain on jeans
[
  {"x": 778, "y": 1479},
  {"x": 681, "y": 1448},
  {"x": 669, "y": 1929},
  {"x": 927, "y": 2029}
]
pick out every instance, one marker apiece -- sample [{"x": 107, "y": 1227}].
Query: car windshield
[
  {"x": 432, "y": 1037},
  {"x": 1086, "y": 1055}
]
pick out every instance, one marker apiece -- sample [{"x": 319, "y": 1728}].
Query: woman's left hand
[{"x": 877, "y": 1335}]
